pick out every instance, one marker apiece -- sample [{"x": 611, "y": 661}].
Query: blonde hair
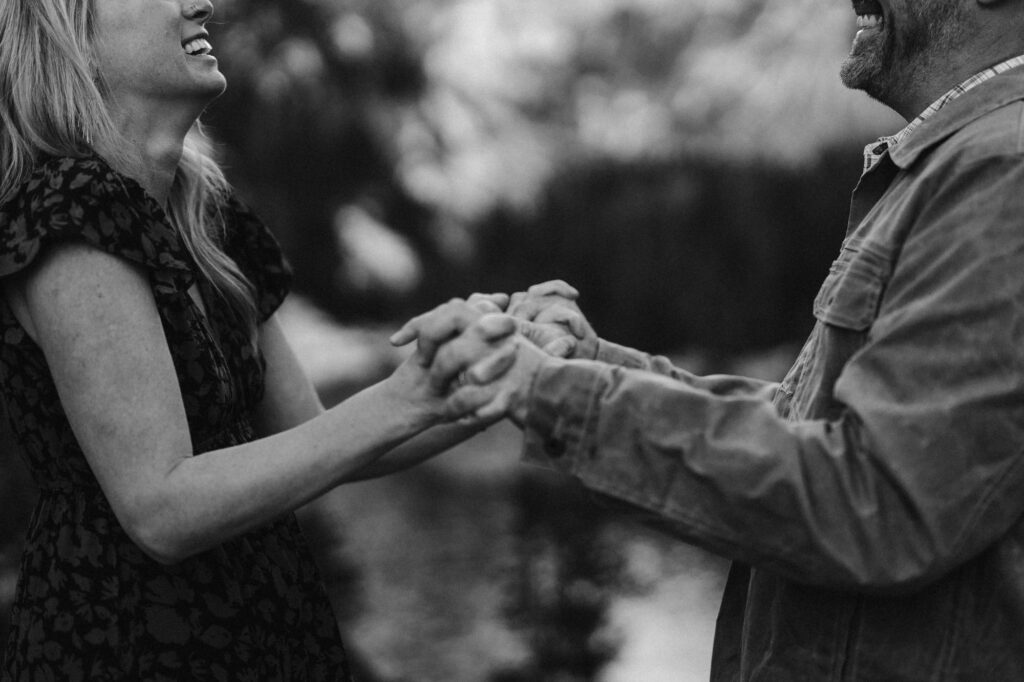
[{"x": 51, "y": 103}]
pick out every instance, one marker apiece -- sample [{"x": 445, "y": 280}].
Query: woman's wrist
[{"x": 408, "y": 393}]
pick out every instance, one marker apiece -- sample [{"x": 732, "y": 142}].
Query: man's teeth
[
  {"x": 869, "y": 21},
  {"x": 198, "y": 46}
]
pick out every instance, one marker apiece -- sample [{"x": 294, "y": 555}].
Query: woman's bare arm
[
  {"x": 95, "y": 319},
  {"x": 290, "y": 400}
]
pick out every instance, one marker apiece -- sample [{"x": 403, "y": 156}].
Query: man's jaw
[{"x": 865, "y": 68}]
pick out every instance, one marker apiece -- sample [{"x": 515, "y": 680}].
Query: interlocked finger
[
  {"x": 554, "y": 287},
  {"x": 527, "y": 305},
  {"x": 493, "y": 327},
  {"x": 461, "y": 353},
  {"x": 434, "y": 328},
  {"x": 489, "y": 303},
  {"x": 561, "y": 348},
  {"x": 493, "y": 366},
  {"x": 474, "y": 403},
  {"x": 569, "y": 318}
]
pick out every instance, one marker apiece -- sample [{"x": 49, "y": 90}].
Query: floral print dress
[{"x": 90, "y": 605}]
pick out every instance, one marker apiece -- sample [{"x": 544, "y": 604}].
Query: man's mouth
[
  {"x": 869, "y": 21},
  {"x": 869, "y": 14},
  {"x": 197, "y": 46}
]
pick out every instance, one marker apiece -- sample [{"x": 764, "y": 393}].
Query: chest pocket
[{"x": 850, "y": 295}]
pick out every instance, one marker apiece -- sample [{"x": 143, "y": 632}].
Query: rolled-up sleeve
[{"x": 920, "y": 469}]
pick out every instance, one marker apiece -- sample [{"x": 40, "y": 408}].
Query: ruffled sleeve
[
  {"x": 253, "y": 247},
  {"x": 83, "y": 199}
]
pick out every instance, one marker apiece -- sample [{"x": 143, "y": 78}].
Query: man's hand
[
  {"x": 454, "y": 340},
  {"x": 470, "y": 357},
  {"x": 496, "y": 387},
  {"x": 550, "y": 318}
]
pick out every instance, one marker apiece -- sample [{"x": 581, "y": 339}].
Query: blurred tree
[
  {"x": 568, "y": 575},
  {"x": 442, "y": 121},
  {"x": 700, "y": 253},
  {"x": 305, "y": 126}
]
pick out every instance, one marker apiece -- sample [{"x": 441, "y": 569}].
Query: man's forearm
[
  {"x": 810, "y": 500},
  {"x": 630, "y": 358}
]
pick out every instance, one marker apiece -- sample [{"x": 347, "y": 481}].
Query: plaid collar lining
[{"x": 874, "y": 151}]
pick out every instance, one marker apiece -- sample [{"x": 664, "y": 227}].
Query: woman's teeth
[{"x": 198, "y": 46}]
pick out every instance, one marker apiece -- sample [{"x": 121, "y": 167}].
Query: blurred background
[{"x": 685, "y": 163}]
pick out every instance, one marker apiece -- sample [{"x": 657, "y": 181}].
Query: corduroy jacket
[{"x": 873, "y": 501}]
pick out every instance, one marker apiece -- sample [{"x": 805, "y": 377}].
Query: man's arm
[
  {"x": 920, "y": 469},
  {"x": 549, "y": 312}
]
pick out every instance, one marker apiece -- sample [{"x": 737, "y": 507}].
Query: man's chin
[{"x": 860, "y": 72}]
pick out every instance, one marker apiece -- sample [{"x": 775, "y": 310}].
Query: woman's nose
[{"x": 199, "y": 9}]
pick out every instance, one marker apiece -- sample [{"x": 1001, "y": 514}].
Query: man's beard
[{"x": 887, "y": 64}]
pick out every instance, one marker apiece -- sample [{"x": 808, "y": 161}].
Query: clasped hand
[{"x": 482, "y": 354}]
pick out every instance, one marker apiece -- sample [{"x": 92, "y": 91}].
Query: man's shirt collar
[{"x": 874, "y": 151}]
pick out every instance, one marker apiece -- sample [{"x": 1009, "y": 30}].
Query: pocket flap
[{"x": 851, "y": 293}]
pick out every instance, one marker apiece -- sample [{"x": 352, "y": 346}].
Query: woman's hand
[
  {"x": 489, "y": 303},
  {"x": 450, "y": 340},
  {"x": 446, "y": 321},
  {"x": 496, "y": 387},
  {"x": 550, "y": 318}
]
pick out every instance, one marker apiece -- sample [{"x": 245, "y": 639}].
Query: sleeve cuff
[
  {"x": 561, "y": 407},
  {"x": 614, "y": 354}
]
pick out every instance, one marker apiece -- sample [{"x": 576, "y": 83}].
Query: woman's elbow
[
  {"x": 158, "y": 533},
  {"x": 159, "y": 545}
]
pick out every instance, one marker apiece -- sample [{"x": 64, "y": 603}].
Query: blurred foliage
[
  {"x": 689, "y": 253},
  {"x": 685, "y": 164},
  {"x": 305, "y": 132},
  {"x": 568, "y": 574},
  {"x": 406, "y": 152}
]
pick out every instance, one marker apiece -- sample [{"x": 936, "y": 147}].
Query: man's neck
[
  {"x": 990, "y": 44},
  {"x": 931, "y": 81}
]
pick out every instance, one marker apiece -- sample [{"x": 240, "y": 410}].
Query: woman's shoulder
[
  {"x": 84, "y": 199},
  {"x": 58, "y": 181}
]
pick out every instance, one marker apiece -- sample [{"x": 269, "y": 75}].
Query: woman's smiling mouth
[{"x": 197, "y": 47}]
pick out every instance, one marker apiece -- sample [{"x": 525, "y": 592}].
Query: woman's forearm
[
  {"x": 205, "y": 500},
  {"x": 417, "y": 449}
]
